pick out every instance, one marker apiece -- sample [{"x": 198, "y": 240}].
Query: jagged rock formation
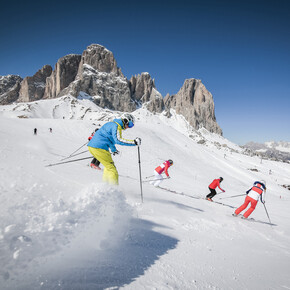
[
  {"x": 143, "y": 90},
  {"x": 95, "y": 73},
  {"x": 156, "y": 103},
  {"x": 64, "y": 73},
  {"x": 32, "y": 88},
  {"x": 9, "y": 89},
  {"x": 99, "y": 58},
  {"x": 106, "y": 89},
  {"x": 195, "y": 103},
  {"x": 99, "y": 77},
  {"x": 141, "y": 87}
]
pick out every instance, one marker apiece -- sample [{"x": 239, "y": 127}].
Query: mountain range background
[
  {"x": 95, "y": 75},
  {"x": 238, "y": 49}
]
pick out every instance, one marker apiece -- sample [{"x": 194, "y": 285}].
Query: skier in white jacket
[{"x": 253, "y": 195}]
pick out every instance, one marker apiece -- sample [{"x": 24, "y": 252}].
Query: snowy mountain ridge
[
  {"x": 83, "y": 108},
  {"x": 280, "y": 145},
  {"x": 271, "y": 149},
  {"x": 283, "y": 146}
]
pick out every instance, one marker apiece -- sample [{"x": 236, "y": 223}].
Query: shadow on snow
[{"x": 120, "y": 266}]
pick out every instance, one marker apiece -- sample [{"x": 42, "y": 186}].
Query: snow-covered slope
[
  {"x": 62, "y": 228},
  {"x": 82, "y": 108}
]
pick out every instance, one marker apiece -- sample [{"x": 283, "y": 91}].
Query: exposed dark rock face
[
  {"x": 106, "y": 89},
  {"x": 99, "y": 58},
  {"x": 99, "y": 77},
  {"x": 143, "y": 90},
  {"x": 195, "y": 103},
  {"x": 32, "y": 88},
  {"x": 9, "y": 89},
  {"x": 64, "y": 73}
]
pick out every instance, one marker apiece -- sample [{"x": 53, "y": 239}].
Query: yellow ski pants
[{"x": 110, "y": 174}]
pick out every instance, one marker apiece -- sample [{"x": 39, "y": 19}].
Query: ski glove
[
  {"x": 116, "y": 153},
  {"x": 137, "y": 141}
]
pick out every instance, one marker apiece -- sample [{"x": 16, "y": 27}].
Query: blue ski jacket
[{"x": 109, "y": 135}]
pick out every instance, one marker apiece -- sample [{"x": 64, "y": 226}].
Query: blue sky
[{"x": 239, "y": 49}]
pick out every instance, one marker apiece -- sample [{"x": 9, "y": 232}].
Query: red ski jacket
[
  {"x": 215, "y": 184},
  {"x": 257, "y": 190},
  {"x": 163, "y": 168}
]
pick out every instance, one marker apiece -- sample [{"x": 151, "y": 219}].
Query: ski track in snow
[{"x": 61, "y": 228}]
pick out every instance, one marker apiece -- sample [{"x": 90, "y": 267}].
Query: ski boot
[{"x": 92, "y": 165}]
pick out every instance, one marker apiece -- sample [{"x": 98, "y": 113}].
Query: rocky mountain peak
[
  {"x": 195, "y": 103},
  {"x": 99, "y": 58},
  {"x": 141, "y": 86},
  {"x": 144, "y": 91}
]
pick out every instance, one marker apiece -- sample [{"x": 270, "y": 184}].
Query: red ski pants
[{"x": 244, "y": 206}]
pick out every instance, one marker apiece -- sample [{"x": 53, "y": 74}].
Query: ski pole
[
  {"x": 234, "y": 196},
  {"x": 59, "y": 163},
  {"x": 220, "y": 192},
  {"x": 74, "y": 155},
  {"x": 75, "y": 151},
  {"x": 149, "y": 176},
  {"x": 140, "y": 173},
  {"x": 149, "y": 180},
  {"x": 154, "y": 180},
  {"x": 267, "y": 213}
]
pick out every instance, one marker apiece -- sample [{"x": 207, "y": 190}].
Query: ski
[
  {"x": 178, "y": 192},
  {"x": 170, "y": 190},
  {"x": 218, "y": 202},
  {"x": 253, "y": 220}
]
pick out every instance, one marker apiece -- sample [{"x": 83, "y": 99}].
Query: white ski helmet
[{"x": 128, "y": 119}]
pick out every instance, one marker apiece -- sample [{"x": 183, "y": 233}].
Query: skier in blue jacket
[{"x": 106, "y": 138}]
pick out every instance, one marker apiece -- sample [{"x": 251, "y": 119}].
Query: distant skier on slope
[
  {"x": 215, "y": 183},
  {"x": 252, "y": 197},
  {"x": 106, "y": 138},
  {"x": 95, "y": 162},
  {"x": 163, "y": 168}
]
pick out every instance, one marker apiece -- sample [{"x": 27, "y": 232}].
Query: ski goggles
[{"x": 130, "y": 124}]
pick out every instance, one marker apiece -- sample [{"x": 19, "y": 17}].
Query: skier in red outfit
[
  {"x": 95, "y": 163},
  {"x": 253, "y": 195},
  {"x": 213, "y": 186},
  {"x": 163, "y": 168}
]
